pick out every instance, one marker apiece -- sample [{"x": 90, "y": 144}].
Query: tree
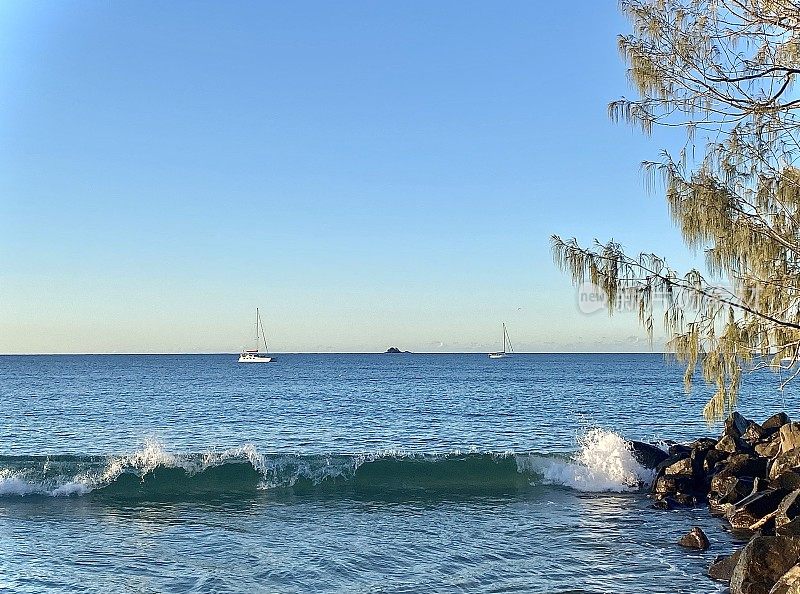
[{"x": 723, "y": 71}]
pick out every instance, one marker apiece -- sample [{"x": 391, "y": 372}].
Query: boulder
[
  {"x": 789, "y": 582},
  {"x": 682, "y": 467},
  {"x": 788, "y": 509},
  {"x": 738, "y": 490},
  {"x": 737, "y": 466},
  {"x": 676, "y": 449},
  {"x": 670, "y": 485},
  {"x": 776, "y": 421},
  {"x": 718, "y": 507},
  {"x": 754, "y": 433},
  {"x": 763, "y": 561},
  {"x": 785, "y": 461},
  {"x": 703, "y": 443},
  {"x": 694, "y": 539},
  {"x": 735, "y": 425},
  {"x": 647, "y": 455},
  {"x": 790, "y": 437},
  {"x": 711, "y": 459},
  {"x": 752, "y": 508},
  {"x": 788, "y": 481},
  {"x": 732, "y": 445},
  {"x": 769, "y": 448},
  {"x": 722, "y": 567}
]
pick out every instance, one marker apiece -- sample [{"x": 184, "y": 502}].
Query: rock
[
  {"x": 788, "y": 481},
  {"x": 647, "y": 455},
  {"x": 694, "y": 539},
  {"x": 754, "y": 433},
  {"x": 393, "y": 350},
  {"x": 770, "y": 448},
  {"x": 738, "y": 490},
  {"x": 785, "y": 461},
  {"x": 788, "y": 509},
  {"x": 670, "y": 485},
  {"x": 722, "y": 567},
  {"x": 775, "y": 421},
  {"x": 703, "y": 443},
  {"x": 677, "y": 449},
  {"x": 789, "y": 582},
  {"x": 718, "y": 508},
  {"x": 737, "y": 466},
  {"x": 711, "y": 459},
  {"x": 722, "y": 484},
  {"x": 684, "y": 499},
  {"x": 735, "y": 425},
  {"x": 763, "y": 561},
  {"x": 732, "y": 445},
  {"x": 683, "y": 467},
  {"x": 790, "y": 437},
  {"x": 752, "y": 508}
]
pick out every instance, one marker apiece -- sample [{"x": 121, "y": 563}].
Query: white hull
[
  {"x": 498, "y": 355},
  {"x": 251, "y": 359}
]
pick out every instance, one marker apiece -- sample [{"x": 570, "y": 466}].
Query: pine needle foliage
[{"x": 723, "y": 71}]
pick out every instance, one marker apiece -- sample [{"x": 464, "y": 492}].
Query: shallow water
[{"x": 346, "y": 473}]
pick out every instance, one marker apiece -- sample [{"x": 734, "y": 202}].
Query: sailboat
[
  {"x": 254, "y": 355},
  {"x": 504, "y": 353}
]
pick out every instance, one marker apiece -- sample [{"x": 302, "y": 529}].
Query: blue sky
[{"x": 368, "y": 173}]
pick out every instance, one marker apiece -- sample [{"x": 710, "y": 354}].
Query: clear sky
[{"x": 368, "y": 173}]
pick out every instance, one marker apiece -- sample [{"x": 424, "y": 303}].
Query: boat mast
[
  {"x": 504, "y": 337},
  {"x": 263, "y": 335},
  {"x": 256, "y": 329}
]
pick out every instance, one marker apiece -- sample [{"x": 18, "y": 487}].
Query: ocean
[{"x": 348, "y": 473}]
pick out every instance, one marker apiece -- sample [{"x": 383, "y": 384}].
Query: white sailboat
[
  {"x": 254, "y": 355},
  {"x": 507, "y": 350}
]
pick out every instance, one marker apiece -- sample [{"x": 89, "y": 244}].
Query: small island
[{"x": 394, "y": 350}]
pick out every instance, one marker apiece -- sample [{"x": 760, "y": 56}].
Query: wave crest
[{"x": 604, "y": 462}]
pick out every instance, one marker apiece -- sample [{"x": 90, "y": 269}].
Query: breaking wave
[{"x": 603, "y": 462}]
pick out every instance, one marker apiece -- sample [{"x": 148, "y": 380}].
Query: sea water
[{"x": 348, "y": 473}]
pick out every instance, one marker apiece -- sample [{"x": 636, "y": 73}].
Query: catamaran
[
  {"x": 504, "y": 353},
  {"x": 254, "y": 355}
]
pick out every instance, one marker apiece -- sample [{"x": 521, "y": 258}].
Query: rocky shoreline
[{"x": 749, "y": 477}]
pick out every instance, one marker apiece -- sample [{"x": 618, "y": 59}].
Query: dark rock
[
  {"x": 788, "y": 481},
  {"x": 393, "y": 350},
  {"x": 789, "y": 582},
  {"x": 769, "y": 448},
  {"x": 790, "y": 437},
  {"x": 694, "y": 539},
  {"x": 746, "y": 465},
  {"x": 685, "y": 500},
  {"x": 670, "y": 485},
  {"x": 647, "y": 455},
  {"x": 738, "y": 490},
  {"x": 678, "y": 449},
  {"x": 722, "y": 567},
  {"x": 752, "y": 508},
  {"x": 788, "y": 509},
  {"x": 754, "y": 433},
  {"x": 785, "y": 461},
  {"x": 722, "y": 483},
  {"x": 735, "y": 425},
  {"x": 717, "y": 507},
  {"x": 776, "y": 421},
  {"x": 763, "y": 561},
  {"x": 732, "y": 445},
  {"x": 703, "y": 443},
  {"x": 682, "y": 467},
  {"x": 711, "y": 459}
]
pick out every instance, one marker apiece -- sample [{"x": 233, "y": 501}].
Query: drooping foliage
[{"x": 723, "y": 71}]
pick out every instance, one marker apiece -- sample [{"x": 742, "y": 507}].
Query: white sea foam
[{"x": 605, "y": 462}]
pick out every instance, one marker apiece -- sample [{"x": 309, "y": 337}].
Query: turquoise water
[{"x": 345, "y": 473}]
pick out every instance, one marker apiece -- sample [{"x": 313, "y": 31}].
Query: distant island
[{"x": 393, "y": 350}]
